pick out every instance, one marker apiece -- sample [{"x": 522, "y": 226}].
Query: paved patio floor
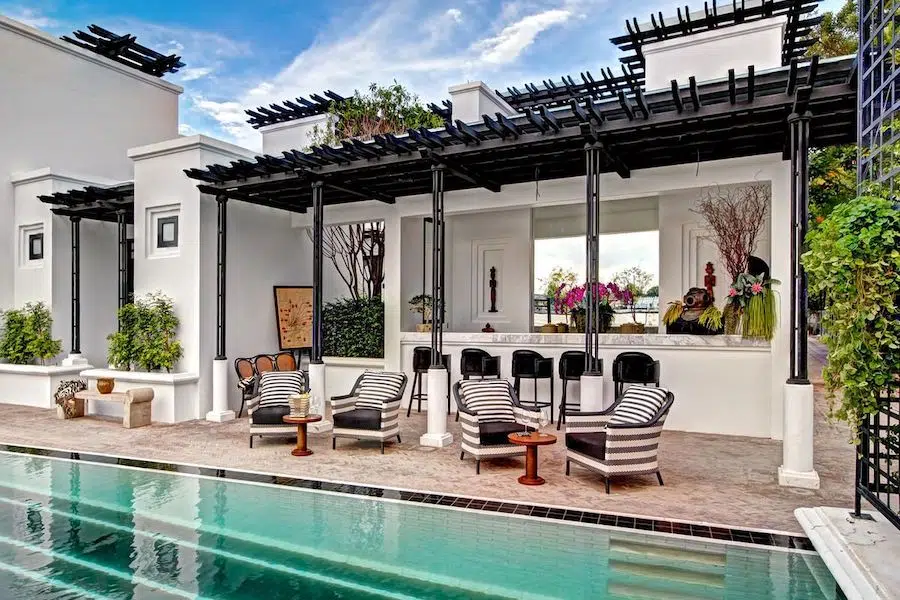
[{"x": 716, "y": 479}]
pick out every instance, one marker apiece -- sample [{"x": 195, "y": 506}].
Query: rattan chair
[
  {"x": 268, "y": 409},
  {"x": 285, "y": 361},
  {"x": 248, "y": 381}
]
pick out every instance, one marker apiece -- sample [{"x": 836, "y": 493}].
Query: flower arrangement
[
  {"x": 752, "y": 299},
  {"x": 573, "y": 300}
]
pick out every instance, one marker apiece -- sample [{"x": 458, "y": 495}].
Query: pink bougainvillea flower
[
  {"x": 756, "y": 288},
  {"x": 732, "y": 292}
]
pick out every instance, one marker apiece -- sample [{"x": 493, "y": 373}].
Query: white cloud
[
  {"x": 194, "y": 73},
  {"x": 455, "y": 14},
  {"x": 185, "y": 129},
  {"x": 515, "y": 38},
  {"x": 29, "y": 16}
]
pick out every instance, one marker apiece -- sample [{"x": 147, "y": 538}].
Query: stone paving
[{"x": 710, "y": 478}]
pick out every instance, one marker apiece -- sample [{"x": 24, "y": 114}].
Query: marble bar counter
[{"x": 722, "y": 384}]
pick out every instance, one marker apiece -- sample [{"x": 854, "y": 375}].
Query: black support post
[
  {"x": 437, "y": 265},
  {"x": 318, "y": 209},
  {"x": 592, "y": 256},
  {"x": 123, "y": 257},
  {"x": 221, "y": 248},
  {"x": 799, "y": 139},
  {"x": 76, "y": 284}
]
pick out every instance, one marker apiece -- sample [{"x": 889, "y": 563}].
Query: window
[
  {"x": 167, "y": 232},
  {"x": 35, "y": 246}
]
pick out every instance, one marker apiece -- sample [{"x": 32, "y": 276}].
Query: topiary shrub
[
  {"x": 13, "y": 342},
  {"x": 28, "y": 335},
  {"x": 146, "y": 338},
  {"x": 354, "y": 328}
]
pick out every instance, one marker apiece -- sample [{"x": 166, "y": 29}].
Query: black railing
[
  {"x": 543, "y": 305},
  {"x": 878, "y": 457}
]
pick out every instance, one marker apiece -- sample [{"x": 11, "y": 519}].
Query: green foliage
[
  {"x": 853, "y": 259},
  {"x": 354, "y": 328},
  {"x": 635, "y": 279},
  {"x": 27, "y": 335},
  {"x": 147, "y": 335},
  {"x": 837, "y": 34},
  {"x": 652, "y": 291},
  {"x": 422, "y": 304},
  {"x": 382, "y": 109},
  {"x": 39, "y": 332},
  {"x": 832, "y": 180},
  {"x": 759, "y": 317},
  {"x": 557, "y": 277}
]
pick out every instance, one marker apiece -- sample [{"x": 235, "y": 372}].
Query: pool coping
[{"x": 696, "y": 530}]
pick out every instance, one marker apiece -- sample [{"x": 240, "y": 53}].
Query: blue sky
[{"x": 241, "y": 54}]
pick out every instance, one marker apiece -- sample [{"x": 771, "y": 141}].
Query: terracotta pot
[
  {"x": 423, "y": 327},
  {"x": 562, "y": 328},
  {"x": 548, "y": 328},
  {"x": 105, "y": 385},
  {"x": 632, "y": 328}
]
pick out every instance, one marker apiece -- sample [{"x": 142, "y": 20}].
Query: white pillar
[
  {"x": 797, "y": 469},
  {"x": 75, "y": 360},
  {"x": 391, "y": 293},
  {"x": 317, "y": 391},
  {"x": 220, "y": 411},
  {"x": 592, "y": 399},
  {"x": 437, "y": 435}
]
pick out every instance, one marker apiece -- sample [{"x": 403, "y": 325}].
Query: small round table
[
  {"x": 300, "y": 422},
  {"x": 531, "y": 442}
]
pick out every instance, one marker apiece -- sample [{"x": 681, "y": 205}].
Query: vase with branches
[{"x": 735, "y": 217}]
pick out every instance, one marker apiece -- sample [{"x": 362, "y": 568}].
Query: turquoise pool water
[{"x": 78, "y": 530}]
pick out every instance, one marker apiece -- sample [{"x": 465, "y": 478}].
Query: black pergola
[
  {"x": 114, "y": 204},
  {"x": 125, "y": 49},
  {"x": 784, "y": 110}
]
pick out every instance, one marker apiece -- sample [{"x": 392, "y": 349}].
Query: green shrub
[
  {"x": 147, "y": 335},
  {"x": 354, "y": 328},
  {"x": 14, "y": 343},
  {"x": 28, "y": 335},
  {"x": 853, "y": 259},
  {"x": 122, "y": 350}
]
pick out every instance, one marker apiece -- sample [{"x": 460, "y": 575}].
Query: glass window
[
  {"x": 35, "y": 246},
  {"x": 167, "y": 232}
]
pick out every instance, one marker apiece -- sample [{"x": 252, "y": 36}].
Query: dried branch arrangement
[
  {"x": 356, "y": 252},
  {"x": 735, "y": 215}
]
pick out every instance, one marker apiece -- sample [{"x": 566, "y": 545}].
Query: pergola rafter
[{"x": 125, "y": 49}]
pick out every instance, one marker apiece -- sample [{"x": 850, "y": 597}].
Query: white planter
[
  {"x": 33, "y": 385},
  {"x": 174, "y": 394}
]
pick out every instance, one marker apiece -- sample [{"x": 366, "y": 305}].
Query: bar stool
[
  {"x": 528, "y": 364},
  {"x": 571, "y": 368},
  {"x": 634, "y": 368},
  {"x": 475, "y": 362},
  {"x": 421, "y": 363}
]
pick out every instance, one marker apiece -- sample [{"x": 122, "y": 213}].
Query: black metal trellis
[
  {"x": 125, "y": 49},
  {"x": 878, "y": 457}
]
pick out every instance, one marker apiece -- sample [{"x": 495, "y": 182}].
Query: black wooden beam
[
  {"x": 751, "y": 83},
  {"x": 695, "y": 94},
  {"x": 732, "y": 87},
  {"x": 676, "y": 96},
  {"x": 463, "y": 172}
]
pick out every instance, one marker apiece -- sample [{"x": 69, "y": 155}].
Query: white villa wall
[
  {"x": 710, "y": 54},
  {"x": 72, "y": 111},
  {"x": 473, "y": 99},
  {"x": 291, "y": 135},
  {"x": 616, "y": 216}
]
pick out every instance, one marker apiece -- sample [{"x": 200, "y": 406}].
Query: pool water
[{"x": 77, "y": 530}]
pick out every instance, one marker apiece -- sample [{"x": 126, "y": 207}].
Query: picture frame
[{"x": 293, "y": 316}]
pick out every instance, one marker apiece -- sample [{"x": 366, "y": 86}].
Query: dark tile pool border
[{"x": 681, "y": 528}]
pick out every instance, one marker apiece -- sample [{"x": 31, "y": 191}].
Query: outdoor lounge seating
[
  {"x": 624, "y": 438},
  {"x": 268, "y": 408},
  {"x": 371, "y": 410},
  {"x": 491, "y": 411},
  {"x": 249, "y": 369},
  {"x": 634, "y": 368}
]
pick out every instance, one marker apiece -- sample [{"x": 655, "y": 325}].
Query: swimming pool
[{"x": 74, "y": 529}]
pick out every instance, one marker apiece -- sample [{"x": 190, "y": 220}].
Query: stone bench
[{"x": 136, "y": 404}]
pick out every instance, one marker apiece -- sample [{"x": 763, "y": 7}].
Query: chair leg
[
  {"x": 398, "y": 439},
  {"x": 552, "y": 401},
  {"x": 462, "y": 455},
  {"x": 607, "y": 485},
  {"x": 477, "y": 467},
  {"x": 382, "y": 447},
  {"x": 334, "y": 443},
  {"x": 659, "y": 477},
  {"x": 251, "y": 441},
  {"x": 241, "y": 409},
  {"x": 412, "y": 393},
  {"x": 562, "y": 407},
  {"x": 567, "y": 467},
  {"x": 419, "y": 392}
]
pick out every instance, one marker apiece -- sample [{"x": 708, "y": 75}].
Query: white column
[
  {"x": 317, "y": 390},
  {"x": 437, "y": 435},
  {"x": 391, "y": 293},
  {"x": 220, "y": 411},
  {"x": 797, "y": 469},
  {"x": 73, "y": 360},
  {"x": 592, "y": 398}
]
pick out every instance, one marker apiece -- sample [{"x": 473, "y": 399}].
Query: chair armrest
[
  {"x": 590, "y": 422},
  {"x": 531, "y": 418},
  {"x": 252, "y": 405},
  {"x": 343, "y": 397},
  {"x": 341, "y": 404},
  {"x": 391, "y": 403}
]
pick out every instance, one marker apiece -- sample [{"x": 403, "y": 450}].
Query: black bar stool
[
  {"x": 475, "y": 362},
  {"x": 421, "y": 363},
  {"x": 528, "y": 364},
  {"x": 634, "y": 368},
  {"x": 571, "y": 368}
]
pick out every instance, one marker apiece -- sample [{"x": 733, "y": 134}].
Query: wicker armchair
[
  {"x": 371, "y": 410},
  {"x": 597, "y": 441},
  {"x": 489, "y": 411},
  {"x": 268, "y": 408}
]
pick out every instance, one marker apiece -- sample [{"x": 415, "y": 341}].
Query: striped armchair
[
  {"x": 489, "y": 411},
  {"x": 267, "y": 409},
  {"x": 371, "y": 410},
  {"x": 624, "y": 438}
]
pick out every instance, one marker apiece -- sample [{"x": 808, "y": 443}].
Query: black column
[
  {"x": 437, "y": 265},
  {"x": 76, "y": 284},
  {"x": 123, "y": 257},
  {"x": 221, "y": 248},
  {"x": 592, "y": 257},
  {"x": 799, "y": 139},
  {"x": 318, "y": 189}
]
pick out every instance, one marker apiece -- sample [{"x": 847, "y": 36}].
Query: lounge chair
[
  {"x": 268, "y": 408},
  {"x": 489, "y": 411},
  {"x": 624, "y": 438},
  {"x": 371, "y": 410}
]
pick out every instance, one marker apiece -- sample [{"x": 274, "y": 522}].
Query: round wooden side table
[
  {"x": 531, "y": 442},
  {"x": 301, "y": 422}
]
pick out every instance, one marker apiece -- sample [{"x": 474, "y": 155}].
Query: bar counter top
[{"x": 576, "y": 340}]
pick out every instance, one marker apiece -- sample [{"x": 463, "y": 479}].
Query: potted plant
[
  {"x": 574, "y": 299},
  {"x": 422, "y": 304},
  {"x": 27, "y": 335},
  {"x": 122, "y": 349},
  {"x": 753, "y": 298},
  {"x": 158, "y": 348}
]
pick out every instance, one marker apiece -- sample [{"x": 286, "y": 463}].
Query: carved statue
[
  {"x": 493, "y": 284},
  {"x": 694, "y": 304}
]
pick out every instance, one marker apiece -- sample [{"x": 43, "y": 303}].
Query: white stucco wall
[
  {"x": 290, "y": 135},
  {"x": 473, "y": 99},
  {"x": 72, "y": 111},
  {"x": 710, "y": 54}
]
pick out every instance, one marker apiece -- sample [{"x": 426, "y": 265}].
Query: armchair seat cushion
[
  {"x": 359, "y": 418},
  {"x": 495, "y": 434},
  {"x": 270, "y": 415},
  {"x": 591, "y": 444}
]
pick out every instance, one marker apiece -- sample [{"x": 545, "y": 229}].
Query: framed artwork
[{"x": 294, "y": 316}]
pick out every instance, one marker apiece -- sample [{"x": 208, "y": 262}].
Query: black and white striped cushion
[
  {"x": 275, "y": 387},
  {"x": 377, "y": 387},
  {"x": 490, "y": 400},
  {"x": 246, "y": 383},
  {"x": 639, "y": 405}
]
